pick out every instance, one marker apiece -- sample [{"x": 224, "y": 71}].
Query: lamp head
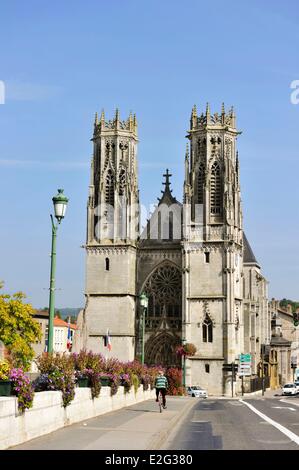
[
  {"x": 143, "y": 300},
  {"x": 60, "y": 203}
]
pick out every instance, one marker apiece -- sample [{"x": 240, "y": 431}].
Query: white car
[
  {"x": 290, "y": 389},
  {"x": 196, "y": 391}
]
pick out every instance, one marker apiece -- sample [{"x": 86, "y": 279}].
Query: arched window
[
  {"x": 164, "y": 289},
  {"x": 207, "y": 330},
  {"x": 109, "y": 189},
  {"x": 170, "y": 225},
  {"x": 122, "y": 182},
  {"x": 200, "y": 183},
  {"x": 215, "y": 189},
  {"x": 107, "y": 264}
]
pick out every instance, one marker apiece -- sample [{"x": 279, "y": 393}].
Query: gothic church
[{"x": 192, "y": 259}]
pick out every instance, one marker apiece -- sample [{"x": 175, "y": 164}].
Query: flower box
[
  {"x": 105, "y": 381},
  {"x": 83, "y": 382},
  {"x": 5, "y": 388}
]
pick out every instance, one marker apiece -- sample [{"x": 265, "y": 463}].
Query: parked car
[
  {"x": 297, "y": 384},
  {"x": 196, "y": 391},
  {"x": 289, "y": 389}
]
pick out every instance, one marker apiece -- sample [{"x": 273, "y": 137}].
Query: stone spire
[
  {"x": 193, "y": 119},
  {"x": 187, "y": 163},
  {"x": 222, "y": 114},
  {"x": 208, "y": 113}
]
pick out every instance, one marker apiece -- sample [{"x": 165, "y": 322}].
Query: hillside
[{"x": 69, "y": 312}]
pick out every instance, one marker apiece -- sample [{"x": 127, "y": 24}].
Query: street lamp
[
  {"x": 143, "y": 303},
  {"x": 60, "y": 202},
  {"x": 184, "y": 364}
]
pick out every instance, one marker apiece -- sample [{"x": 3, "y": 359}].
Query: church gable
[{"x": 165, "y": 224}]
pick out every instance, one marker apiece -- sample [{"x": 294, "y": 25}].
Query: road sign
[
  {"x": 244, "y": 369},
  {"x": 230, "y": 367},
  {"x": 245, "y": 358}
]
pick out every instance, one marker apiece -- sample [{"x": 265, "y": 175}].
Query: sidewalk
[{"x": 140, "y": 426}]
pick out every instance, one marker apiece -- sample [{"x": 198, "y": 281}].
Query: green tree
[{"x": 18, "y": 329}]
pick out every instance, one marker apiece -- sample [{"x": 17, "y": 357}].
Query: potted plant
[
  {"x": 5, "y": 382},
  {"x": 83, "y": 377},
  {"x": 187, "y": 349},
  {"x": 126, "y": 382},
  {"x": 105, "y": 380}
]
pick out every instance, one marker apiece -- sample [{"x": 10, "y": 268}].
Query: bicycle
[{"x": 160, "y": 401}]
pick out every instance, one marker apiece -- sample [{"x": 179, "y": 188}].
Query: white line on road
[
  {"x": 288, "y": 402},
  {"x": 283, "y": 408},
  {"x": 278, "y": 426}
]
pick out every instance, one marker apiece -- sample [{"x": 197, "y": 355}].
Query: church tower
[
  {"x": 112, "y": 231},
  {"x": 212, "y": 248}
]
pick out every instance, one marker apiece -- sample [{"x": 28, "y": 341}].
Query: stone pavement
[{"x": 136, "y": 427}]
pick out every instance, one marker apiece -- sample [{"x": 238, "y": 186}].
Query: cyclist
[{"x": 161, "y": 385}]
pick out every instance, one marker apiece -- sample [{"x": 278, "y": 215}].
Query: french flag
[
  {"x": 69, "y": 336},
  {"x": 107, "y": 341}
]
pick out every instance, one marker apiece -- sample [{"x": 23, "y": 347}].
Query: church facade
[{"x": 191, "y": 259}]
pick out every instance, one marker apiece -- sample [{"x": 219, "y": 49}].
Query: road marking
[
  {"x": 283, "y": 408},
  {"x": 278, "y": 426},
  {"x": 288, "y": 402}
]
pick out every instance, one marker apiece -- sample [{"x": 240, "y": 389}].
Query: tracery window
[
  {"x": 207, "y": 330},
  {"x": 200, "y": 183},
  {"x": 164, "y": 289},
  {"x": 122, "y": 182},
  {"x": 109, "y": 189},
  {"x": 215, "y": 189}
]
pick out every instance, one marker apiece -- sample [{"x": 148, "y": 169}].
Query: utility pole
[
  {"x": 263, "y": 385},
  {"x": 233, "y": 377}
]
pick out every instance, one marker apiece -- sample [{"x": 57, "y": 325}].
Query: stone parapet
[{"x": 48, "y": 414}]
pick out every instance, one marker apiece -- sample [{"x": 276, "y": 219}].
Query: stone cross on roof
[{"x": 167, "y": 176}]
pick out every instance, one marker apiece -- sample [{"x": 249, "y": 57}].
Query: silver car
[{"x": 196, "y": 391}]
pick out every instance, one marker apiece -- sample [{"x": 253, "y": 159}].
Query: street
[
  {"x": 261, "y": 423},
  {"x": 231, "y": 425}
]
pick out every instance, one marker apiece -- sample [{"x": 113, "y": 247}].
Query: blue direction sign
[{"x": 245, "y": 358}]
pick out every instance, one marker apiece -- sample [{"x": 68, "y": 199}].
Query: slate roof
[{"x": 248, "y": 255}]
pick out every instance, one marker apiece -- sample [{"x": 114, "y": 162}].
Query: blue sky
[{"x": 63, "y": 60}]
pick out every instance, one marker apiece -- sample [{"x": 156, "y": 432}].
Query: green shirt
[{"x": 161, "y": 382}]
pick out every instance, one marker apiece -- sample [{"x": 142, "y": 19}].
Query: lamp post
[
  {"x": 184, "y": 364},
  {"x": 143, "y": 304},
  {"x": 60, "y": 203}
]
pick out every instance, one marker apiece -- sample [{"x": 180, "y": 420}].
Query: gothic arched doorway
[{"x": 160, "y": 350}]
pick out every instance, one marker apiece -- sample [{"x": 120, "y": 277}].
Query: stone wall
[{"x": 48, "y": 414}]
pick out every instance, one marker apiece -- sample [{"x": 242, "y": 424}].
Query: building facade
[
  {"x": 192, "y": 258},
  {"x": 60, "y": 333},
  {"x": 284, "y": 343}
]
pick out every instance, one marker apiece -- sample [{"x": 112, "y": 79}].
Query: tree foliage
[
  {"x": 285, "y": 302},
  {"x": 18, "y": 329}
]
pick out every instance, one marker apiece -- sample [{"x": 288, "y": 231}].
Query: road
[{"x": 259, "y": 424}]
